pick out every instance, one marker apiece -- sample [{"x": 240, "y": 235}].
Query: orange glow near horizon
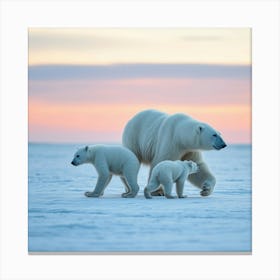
[{"x": 108, "y": 119}]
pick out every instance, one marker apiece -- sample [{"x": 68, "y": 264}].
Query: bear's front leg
[
  {"x": 103, "y": 180},
  {"x": 207, "y": 188},
  {"x": 203, "y": 179}
]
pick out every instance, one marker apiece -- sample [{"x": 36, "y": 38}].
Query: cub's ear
[
  {"x": 86, "y": 148},
  {"x": 199, "y": 128},
  {"x": 190, "y": 163}
]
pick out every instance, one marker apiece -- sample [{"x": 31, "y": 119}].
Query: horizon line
[{"x": 103, "y": 142}]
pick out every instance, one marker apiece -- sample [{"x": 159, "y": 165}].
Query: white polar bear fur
[
  {"x": 108, "y": 161},
  {"x": 154, "y": 136},
  {"x": 168, "y": 172}
]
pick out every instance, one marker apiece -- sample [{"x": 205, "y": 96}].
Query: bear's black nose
[
  {"x": 72, "y": 162},
  {"x": 224, "y": 145}
]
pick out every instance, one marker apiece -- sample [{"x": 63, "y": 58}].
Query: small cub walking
[
  {"x": 166, "y": 173},
  {"x": 108, "y": 161}
]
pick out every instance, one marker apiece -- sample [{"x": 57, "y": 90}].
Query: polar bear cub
[
  {"x": 110, "y": 160},
  {"x": 168, "y": 172}
]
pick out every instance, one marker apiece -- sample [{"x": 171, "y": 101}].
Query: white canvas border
[{"x": 18, "y": 16}]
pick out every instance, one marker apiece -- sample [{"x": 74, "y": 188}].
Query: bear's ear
[
  {"x": 86, "y": 148},
  {"x": 199, "y": 128}
]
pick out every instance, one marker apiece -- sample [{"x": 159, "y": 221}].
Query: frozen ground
[{"x": 62, "y": 219}]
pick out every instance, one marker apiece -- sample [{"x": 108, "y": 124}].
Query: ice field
[{"x": 62, "y": 219}]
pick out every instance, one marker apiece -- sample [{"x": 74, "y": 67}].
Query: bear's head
[
  {"x": 81, "y": 156},
  {"x": 209, "y": 138},
  {"x": 193, "y": 167}
]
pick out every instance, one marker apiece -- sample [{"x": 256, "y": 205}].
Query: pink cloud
[
  {"x": 135, "y": 91},
  {"x": 97, "y": 110}
]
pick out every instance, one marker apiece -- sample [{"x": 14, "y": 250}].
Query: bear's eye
[
  {"x": 78, "y": 156},
  {"x": 215, "y": 135}
]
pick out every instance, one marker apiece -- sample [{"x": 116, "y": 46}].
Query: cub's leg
[
  {"x": 127, "y": 188},
  {"x": 130, "y": 173},
  {"x": 159, "y": 191},
  {"x": 102, "y": 182},
  {"x": 165, "y": 179},
  {"x": 153, "y": 185},
  {"x": 132, "y": 185},
  {"x": 180, "y": 187},
  {"x": 168, "y": 189}
]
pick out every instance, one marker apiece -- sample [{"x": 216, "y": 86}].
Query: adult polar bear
[{"x": 154, "y": 136}]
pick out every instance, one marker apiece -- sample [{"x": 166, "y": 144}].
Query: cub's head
[
  {"x": 209, "y": 138},
  {"x": 193, "y": 167},
  {"x": 81, "y": 156}
]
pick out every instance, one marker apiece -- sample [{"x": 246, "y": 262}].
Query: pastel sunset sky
[{"x": 86, "y": 83}]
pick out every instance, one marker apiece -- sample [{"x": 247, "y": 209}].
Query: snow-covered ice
[{"x": 62, "y": 219}]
